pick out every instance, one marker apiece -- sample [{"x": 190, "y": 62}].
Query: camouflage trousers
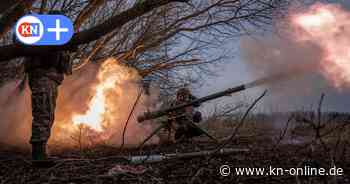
[
  {"x": 187, "y": 131},
  {"x": 184, "y": 128},
  {"x": 44, "y": 95}
]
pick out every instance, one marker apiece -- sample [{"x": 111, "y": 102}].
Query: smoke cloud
[
  {"x": 320, "y": 52},
  {"x": 15, "y": 113}
]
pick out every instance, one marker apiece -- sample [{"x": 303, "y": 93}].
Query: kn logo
[
  {"x": 29, "y": 30},
  {"x": 44, "y": 29}
]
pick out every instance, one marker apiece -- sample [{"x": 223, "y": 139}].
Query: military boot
[
  {"x": 39, "y": 156},
  {"x": 39, "y": 151}
]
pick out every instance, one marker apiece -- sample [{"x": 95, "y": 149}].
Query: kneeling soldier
[{"x": 184, "y": 119}]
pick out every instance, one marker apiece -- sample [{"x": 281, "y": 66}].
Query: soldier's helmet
[{"x": 183, "y": 93}]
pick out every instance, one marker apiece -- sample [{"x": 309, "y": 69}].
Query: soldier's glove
[{"x": 197, "y": 117}]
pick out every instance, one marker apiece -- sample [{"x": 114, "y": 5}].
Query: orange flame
[
  {"x": 94, "y": 117},
  {"x": 94, "y": 104},
  {"x": 329, "y": 27}
]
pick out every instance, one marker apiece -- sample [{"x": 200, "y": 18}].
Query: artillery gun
[
  {"x": 160, "y": 113},
  {"x": 156, "y": 114}
]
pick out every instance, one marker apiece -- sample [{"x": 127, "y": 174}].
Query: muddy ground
[{"x": 93, "y": 165}]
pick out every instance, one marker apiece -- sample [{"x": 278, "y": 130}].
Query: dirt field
[{"x": 93, "y": 165}]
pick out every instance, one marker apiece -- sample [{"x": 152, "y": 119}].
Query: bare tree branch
[
  {"x": 9, "y": 18},
  {"x": 89, "y": 35}
]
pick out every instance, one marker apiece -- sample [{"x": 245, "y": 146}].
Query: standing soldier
[
  {"x": 183, "y": 119},
  {"x": 45, "y": 73}
]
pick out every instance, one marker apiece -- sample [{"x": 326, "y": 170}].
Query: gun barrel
[
  {"x": 156, "y": 114},
  {"x": 261, "y": 81}
]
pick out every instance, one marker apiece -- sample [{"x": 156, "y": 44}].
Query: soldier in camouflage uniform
[
  {"x": 183, "y": 119},
  {"x": 45, "y": 73}
]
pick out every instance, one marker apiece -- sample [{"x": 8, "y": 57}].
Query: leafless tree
[{"x": 162, "y": 39}]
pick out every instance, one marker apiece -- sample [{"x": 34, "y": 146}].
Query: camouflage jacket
[
  {"x": 185, "y": 113},
  {"x": 53, "y": 66}
]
